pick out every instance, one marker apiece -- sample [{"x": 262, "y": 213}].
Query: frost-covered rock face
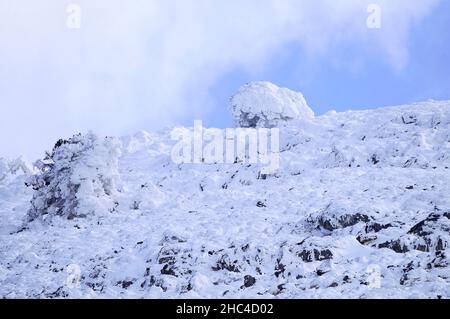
[
  {"x": 77, "y": 179},
  {"x": 263, "y": 104}
]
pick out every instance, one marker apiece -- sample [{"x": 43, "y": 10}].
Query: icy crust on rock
[
  {"x": 359, "y": 208},
  {"x": 263, "y": 104},
  {"x": 77, "y": 179}
]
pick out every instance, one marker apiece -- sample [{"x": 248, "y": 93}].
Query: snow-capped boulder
[
  {"x": 263, "y": 104},
  {"x": 77, "y": 179}
]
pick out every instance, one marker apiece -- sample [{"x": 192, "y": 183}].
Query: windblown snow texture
[{"x": 359, "y": 208}]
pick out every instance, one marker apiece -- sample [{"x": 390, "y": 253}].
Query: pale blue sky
[
  {"x": 146, "y": 64},
  {"x": 361, "y": 79}
]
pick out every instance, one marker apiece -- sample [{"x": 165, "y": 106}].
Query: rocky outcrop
[
  {"x": 429, "y": 235},
  {"x": 76, "y": 179}
]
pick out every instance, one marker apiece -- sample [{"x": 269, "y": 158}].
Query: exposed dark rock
[
  {"x": 430, "y": 234},
  {"x": 249, "y": 281},
  {"x": 421, "y": 228},
  {"x": 406, "y": 270},
  {"x": 375, "y": 227},
  {"x": 346, "y": 279},
  {"x": 332, "y": 223},
  {"x": 374, "y": 159},
  {"x": 175, "y": 261},
  {"x": 440, "y": 261},
  {"x": 125, "y": 284},
  {"x": 224, "y": 263},
  {"x": 279, "y": 268},
  {"x": 315, "y": 255},
  {"x": 365, "y": 239},
  {"x": 395, "y": 245},
  {"x": 260, "y": 204},
  {"x": 409, "y": 119}
]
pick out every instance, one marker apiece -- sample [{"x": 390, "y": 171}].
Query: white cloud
[{"x": 140, "y": 64}]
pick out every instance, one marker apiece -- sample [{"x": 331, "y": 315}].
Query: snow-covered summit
[{"x": 263, "y": 104}]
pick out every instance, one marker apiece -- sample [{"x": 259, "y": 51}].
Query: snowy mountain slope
[{"x": 360, "y": 208}]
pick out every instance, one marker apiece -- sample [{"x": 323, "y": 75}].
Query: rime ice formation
[
  {"x": 359, "y": 208},
  {"x": 77, "y": 179},
  {"x": 263, "y": 104}
]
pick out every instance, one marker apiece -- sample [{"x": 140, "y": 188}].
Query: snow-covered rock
[
  {"x": 77, "y": 179},
  {"x": 14, "y": 167},
  {"x": 263, "y": 104}
]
